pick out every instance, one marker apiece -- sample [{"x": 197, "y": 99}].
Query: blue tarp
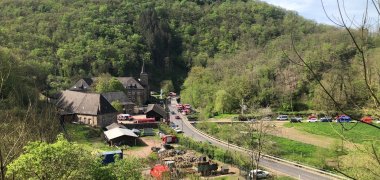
[{"x": 109, "y": 156}]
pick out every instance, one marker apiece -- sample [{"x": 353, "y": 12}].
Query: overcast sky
[{"x": 312, "y": 9}]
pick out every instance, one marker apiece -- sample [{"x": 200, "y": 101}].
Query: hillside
[{"x": 67, "y": 40}]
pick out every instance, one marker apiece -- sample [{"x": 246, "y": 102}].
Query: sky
[{"x": 312, "y": 9}]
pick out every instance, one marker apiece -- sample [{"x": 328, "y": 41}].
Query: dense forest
[
  {"x": 47, "y": 45},
  {"x": 217, "y": 53},
  {"x": 66, "y": 40}
]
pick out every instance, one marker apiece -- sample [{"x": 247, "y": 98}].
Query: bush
[
  {"x": 246, "y": 117},
  {"x": 242, "y": 118},
  {"x": 93, "y": 133}
]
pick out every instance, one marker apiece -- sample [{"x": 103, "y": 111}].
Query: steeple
[
  {"x": 144, "y": 76},
  {"x": 144, "y": 81},
  {"x": 143, "y": 68}
]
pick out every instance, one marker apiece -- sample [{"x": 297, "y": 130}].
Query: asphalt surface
[{"x": 290, "y": 170}]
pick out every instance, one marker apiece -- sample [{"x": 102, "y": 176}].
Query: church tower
[{"x": 144, "y": 81}]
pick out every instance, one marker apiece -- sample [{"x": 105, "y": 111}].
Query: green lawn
[
  {"x": 300, "y": 152},
  {"x": 90, "y": 138},
  {"x": 358, "y": 134},
  {"x": 276, "y": 146}
]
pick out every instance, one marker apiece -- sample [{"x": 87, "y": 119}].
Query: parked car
[
  {"x": 312, "y": 118},
  {"x": 326, "y": 119},
  {"x": 343, "y": 118},
  {"x": 282, "y": 117},
  {"x": 172, "y": 125},
  {"x": 260, "y": 174},
  {"x": 367, "y": 119},
  {"x": 178, "y": 130},
  {"x": 295, "y": 119}
]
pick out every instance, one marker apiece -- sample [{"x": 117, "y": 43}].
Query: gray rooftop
[
  {"x": 118, "y": 132},
  {"x": 84, "y": 103},
  {"x": 117, "y": 96},
  {"x": 115, "y": 125},
  {"x": 156, "y": 108}
]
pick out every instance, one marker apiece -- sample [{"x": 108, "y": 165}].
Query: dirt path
[
  {"x": 308, "y": 138},
  {"x": 144, "y": 151},
  {"x": 296, "y": 135}
]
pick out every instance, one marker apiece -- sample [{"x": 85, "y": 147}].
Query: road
[{"x": 284, "y": 168}]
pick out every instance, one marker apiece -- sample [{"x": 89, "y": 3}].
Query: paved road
[{"x": 290, "y": 170}]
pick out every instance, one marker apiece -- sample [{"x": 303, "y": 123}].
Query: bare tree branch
[{"x": 376, "y": 6}]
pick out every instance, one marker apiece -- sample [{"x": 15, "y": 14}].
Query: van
[
  {"x": 282, "y": 117},
  {"x": 124, "y": 117}
]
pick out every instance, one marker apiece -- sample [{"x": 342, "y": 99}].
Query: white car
[
  {"x": 313, "y": 119},
  {"x": 282, "y": 117},
  {"x": 258, "y": 173},
  {"x": 178, "y": 130}
]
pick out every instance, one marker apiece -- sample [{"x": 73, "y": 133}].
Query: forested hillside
[
  {"x": 235, "y": 50},
  {"x": 265, "y": 77},
  {"x": 217, "y": 53},
  {"x": 67, "y": 40}
]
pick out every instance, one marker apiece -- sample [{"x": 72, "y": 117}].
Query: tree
[
  {"x": 257, "y": 140},
  {"x": 128, "y": 168},
  {"x": 361, "y": 42},
  {"x": 60, "y": 160},
  {"x": 223, "y": 102},
  {"x": 167, "y": 86},
  {"x": 66, "y": 160},
  {"x": 106, "y": 83},
  {"x": 117, "y": 105}
]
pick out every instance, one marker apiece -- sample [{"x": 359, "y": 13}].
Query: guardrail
[{"x": 185, "y": 120}]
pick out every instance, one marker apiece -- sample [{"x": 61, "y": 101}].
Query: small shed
[
  {"x": 155, "y": 111},
  {"x": 147, "y": 132},
  {"x": 120, "y": 136},
  {"x": 115, "y": 125}
]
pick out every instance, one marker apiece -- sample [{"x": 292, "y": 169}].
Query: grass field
[
  {"x": 300, "y": 152},
  {"x": 276, "y": 146},
  {"x": 358, "y": 134},
  {"x": 90, "y": 138}
]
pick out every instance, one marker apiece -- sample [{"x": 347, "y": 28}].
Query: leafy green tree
[
  {"x": 117, "y": 105},
  {"x": 167, "y": 86},
  {"x": 222, "y": 102},
  {"x": 66, "y": 160},
  {"x": 60, "y": 160},
  {"x": 128, "y": 168},
  {"x": 106, "y": 83}
]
